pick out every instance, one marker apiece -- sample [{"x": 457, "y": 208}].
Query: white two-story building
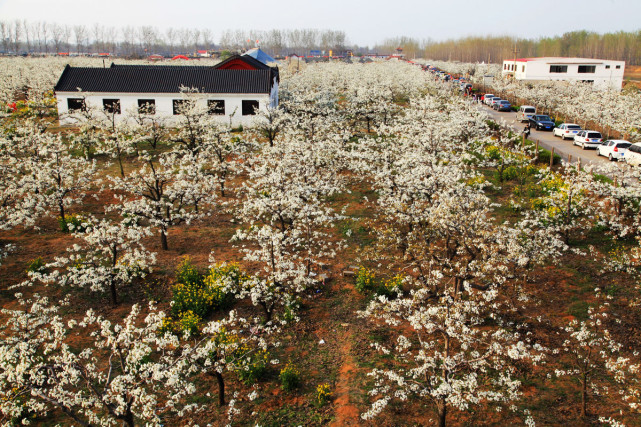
[
  {"x": 602, "y": 73},
  {"x": 232, "y": 90}
]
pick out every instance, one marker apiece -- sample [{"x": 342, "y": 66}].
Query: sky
[{"x": 364, "y": 22}]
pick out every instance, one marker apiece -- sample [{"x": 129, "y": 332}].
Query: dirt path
[{"x": 346, "y": 412}]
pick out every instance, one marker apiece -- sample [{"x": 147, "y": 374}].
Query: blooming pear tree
[
  {"x": 125, "y": 374},
  {"x": 166, "y": 193},
  {"x": 592, "y": 349},
  {"x": 110, "y": 255},
  {"x": 286, "y": 220},
  {"x": 447, "y": 354},
  {"x": 48, "y": 175}
]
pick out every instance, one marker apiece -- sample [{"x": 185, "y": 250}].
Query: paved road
[{"x": 547, "y": 140}]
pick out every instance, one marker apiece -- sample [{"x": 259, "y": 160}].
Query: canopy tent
[{"x": 258, "y": 54}]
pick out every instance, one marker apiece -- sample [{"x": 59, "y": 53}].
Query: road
[{"x": 547, "y": 140}]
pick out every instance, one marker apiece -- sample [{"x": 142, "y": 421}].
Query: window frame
[
  {"x": 216, "y": 110},
  {"x": 82, "y": 104},
  {"x": 147, "y": 106},
  {"x": 177, "y": 104},
  {"x": 245, "y": 107},
  {"x": 586, "y": 69},
  {"x": 558, "y": 69},
  {"x": 109, "y": 103}
]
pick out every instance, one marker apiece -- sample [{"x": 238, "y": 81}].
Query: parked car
[
  {"x": 588, "y": 139},
  {"x": 567, "y": 130},
  {"x": 541, "y": 121},
  {"x": 613, "y": 149},
  {"x": 633, "y": 155},
  {"x": 525, "y": 112},
  {"x": 487, "y": 97},
  {"x": 502, "y": 105},
  {"x": 495, "y": 100}
]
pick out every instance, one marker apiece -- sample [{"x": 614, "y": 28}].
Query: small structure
[
  {"x": 260, "y": 55},
  {"x": 231, "y": 90},
  {"x": 602, "y": 73}
]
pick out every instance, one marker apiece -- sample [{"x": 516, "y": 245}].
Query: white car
[
  {"x": 633, "y": 155},
  {"x": 487, "y": 98},
  {"x": 525, "y": 113},
  {"x": 495, "y": 101},
  {"x": 614, "y": 149},
  {"x": 567, "y": 130},
  {"x": 588, "y": 139}
]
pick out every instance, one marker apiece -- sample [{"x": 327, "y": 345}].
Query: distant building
[
  {"x": 602, "y": 73},
  {"x": 231, "y": 89}
]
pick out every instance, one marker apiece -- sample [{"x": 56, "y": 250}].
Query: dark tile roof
[{"x": 164, "y": 79}]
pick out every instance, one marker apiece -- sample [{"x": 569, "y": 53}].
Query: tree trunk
[
  {"x": 163, "y": 240},
  {"x": 128, "y": 419},
  {"x": 114, "y": 296},
  {"x": 122, "y": 170},
  {"x": 584, "y": 395},
  {"x": 221, "y": 388},
  {"x": 442, "y": 413},
  {"x": 63, "y": 220}
]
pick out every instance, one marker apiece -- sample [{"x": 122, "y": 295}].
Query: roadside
[{"x": 547, "y": 140}]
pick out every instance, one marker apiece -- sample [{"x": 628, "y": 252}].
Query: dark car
[
  {"x": 502, "y": 105},
  {"x": 539, "y": 121}
]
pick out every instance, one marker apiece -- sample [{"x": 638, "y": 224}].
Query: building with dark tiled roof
[{"x": 232, "y": 89}]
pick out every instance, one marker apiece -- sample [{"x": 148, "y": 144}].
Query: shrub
[
  {"x": 189, "y": 321},
  {"x": 514, "y": 172},
  {"x": 544, "y": 157},
  {"x": 365, "y": 280},
  {"x": 492, "y": 125},
  {"x": 322, "y": 394},
  {"x": 390, "y": 287},
  {"x": 253, "y": 367},
  {"x": 222, "y": 283},
  {"x": 289, "y": 377},
  {"x": 188, "y": 273},
  {"x": 73, "y": 222},
  {"x": 36, "y": 265},
  {"x": 291, "y": 308},
  {"x": 193, "y": 297}
]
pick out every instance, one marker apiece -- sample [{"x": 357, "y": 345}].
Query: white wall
[
  {"x": 603, "y": 77},
  {"x": 164, "y": 103}
]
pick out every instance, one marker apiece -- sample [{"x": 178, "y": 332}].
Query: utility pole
[{"x": 515, "y": 52}]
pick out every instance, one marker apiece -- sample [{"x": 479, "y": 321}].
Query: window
[
  {"x": 181, "y": 105},
  {"x": 523, "y": 68},
  {"x": 111, "y": 106},
  {"x": 249, "y": 108},
  {"x": 618, "y": 67},
  {"x": 147, "y": 106},
  {"x": 607, "y": 67},
  {"x": 558, "y": 68},
  {"x": 587, "y": 69},
  {"x": 216, "y": 107},
  {"x": 76, "y": 104}
]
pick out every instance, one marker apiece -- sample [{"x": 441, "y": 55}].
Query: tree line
[
  {"x": 24, "y": 37},
  {"x": 624, "y": 46}
]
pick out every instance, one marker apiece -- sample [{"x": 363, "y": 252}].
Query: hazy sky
[{"x": 365, "y": 22}]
